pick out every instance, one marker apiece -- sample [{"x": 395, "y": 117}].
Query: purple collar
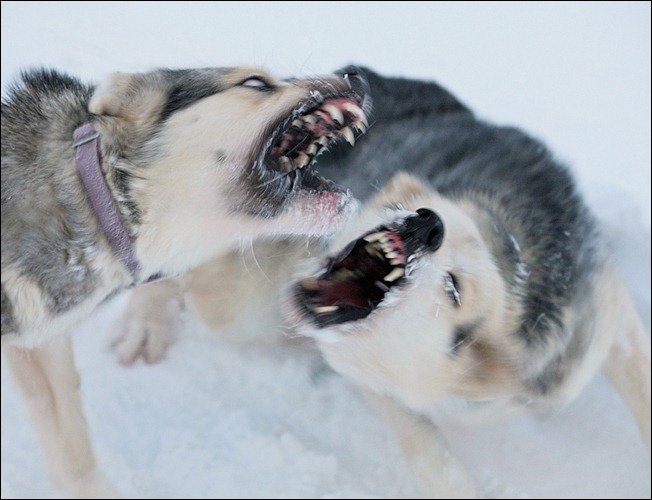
[{"x": 87, "y": 160}]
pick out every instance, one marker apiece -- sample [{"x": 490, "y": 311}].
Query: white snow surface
[{"x": 266, "y": 418}]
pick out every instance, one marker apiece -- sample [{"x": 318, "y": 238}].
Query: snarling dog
[
  {"x": 147, "y": 175},
  {"x": 481, "y": 282}
]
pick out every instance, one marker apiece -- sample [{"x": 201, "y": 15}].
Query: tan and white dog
[
  {"x": 183, "y": 166},
  {"x": 414, "y": 306}
]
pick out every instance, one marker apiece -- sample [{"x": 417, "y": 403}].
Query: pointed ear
[
  {"x": 401, "y": 187},
  {"x": 135, "y": 97}
]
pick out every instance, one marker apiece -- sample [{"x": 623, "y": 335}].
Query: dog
[
  {"x": 142, "y": 177},
  {"x": 475, "y": 282}
]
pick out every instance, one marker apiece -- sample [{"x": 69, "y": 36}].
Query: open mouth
[
  {"x": 355, "y": 281},
  {"x": 309, "y": 131}
]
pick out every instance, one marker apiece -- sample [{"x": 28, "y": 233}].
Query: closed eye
[
  {"x": 452, "y": 289},
  {"x": 258, "y": 83}
]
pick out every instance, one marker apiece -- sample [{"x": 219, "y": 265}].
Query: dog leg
[
  {"x": 49, "y": 381},
  {"x": 439, "y": 473},
  {"x": 628, "y": 363},
  {"x": 150, "y": 324}
]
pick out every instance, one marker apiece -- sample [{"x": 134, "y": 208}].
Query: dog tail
[{"x": 627, "y": 365}]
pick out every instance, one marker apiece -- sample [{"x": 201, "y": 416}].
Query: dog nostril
[
  {"x": 435, "y": 236},
  {"x": 425, "y": 213},
  {"x": 433, "y": 228}
]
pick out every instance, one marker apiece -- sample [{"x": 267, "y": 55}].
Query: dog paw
[{"x": 149, "y": 326}]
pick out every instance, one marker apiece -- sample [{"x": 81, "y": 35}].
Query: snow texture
[{"x": 267, "y": 418}]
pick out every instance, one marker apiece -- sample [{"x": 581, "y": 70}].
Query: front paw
[{"x": 149, "y": 325}]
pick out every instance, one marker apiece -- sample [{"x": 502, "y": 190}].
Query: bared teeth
[
  {"x": 301, "y": 160},
  {"x": 325, "y": 309},
  {"x": 395, "y": 274},
  {"x": 286, "y": 164},
  {"x": 374, "y": 237},
  {"x": 312, "y": 149},
  {"x": 348, "y": 135},
  {"x": 323, "y": 140},
  {"x": 360, "y": 126},
  {"x": 312, "y": 119},
  {"x": 335, "y": 113},
  {"x": 391, "y": 255},
  {"x": 354, "y": 110},
  {"x": 297, "y": 123},
  {"x": 395, "y": 262},
  {"x": 387, "y": 248}
]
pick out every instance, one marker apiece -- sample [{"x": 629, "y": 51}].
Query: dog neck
[{"x": 88, "y": 164}]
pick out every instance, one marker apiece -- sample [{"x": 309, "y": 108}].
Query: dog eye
[
  {"x": 258, "y": 83},
  {"x": 452, "y": 289}
]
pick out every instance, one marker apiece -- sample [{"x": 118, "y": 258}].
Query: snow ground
[{"x": 269, "y": 420}]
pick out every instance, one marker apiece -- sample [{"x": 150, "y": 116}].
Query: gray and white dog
[
  {"x": 147, "y": 174},
  {"x": 477, "y": 280}
]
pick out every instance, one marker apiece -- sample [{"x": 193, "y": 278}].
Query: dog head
[
  {"x": 411, "y": 302},
  {"x": 204, "y": 155}
]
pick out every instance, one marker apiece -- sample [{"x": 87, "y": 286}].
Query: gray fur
[
  {"x": 8, "y": 322},
  {"x": 544, "y": 240},
  {"x": 46, "y": 230}
]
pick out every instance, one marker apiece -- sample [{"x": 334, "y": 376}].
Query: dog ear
[
  {"x": 135, "y": 97},
  {"x": 401, "y": 186}
]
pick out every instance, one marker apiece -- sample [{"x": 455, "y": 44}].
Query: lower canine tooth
[
  {"x": 325, "y": 309},
  {"x": 348, "y": 135},
  {"x": 395, "y": 274}
]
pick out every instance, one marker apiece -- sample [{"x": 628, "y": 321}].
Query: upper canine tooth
[
  {"x": 348, "y": 135},
  {"x": 373, "y": 237},
  {"x": 353, "y": 109},
  {"x": 301, "y": 160},
  {"x": 335, "y": 113},
  {"x": 395, "y": 274}
]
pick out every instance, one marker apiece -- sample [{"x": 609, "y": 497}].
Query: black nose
[{"x": 425, "y": 230}]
